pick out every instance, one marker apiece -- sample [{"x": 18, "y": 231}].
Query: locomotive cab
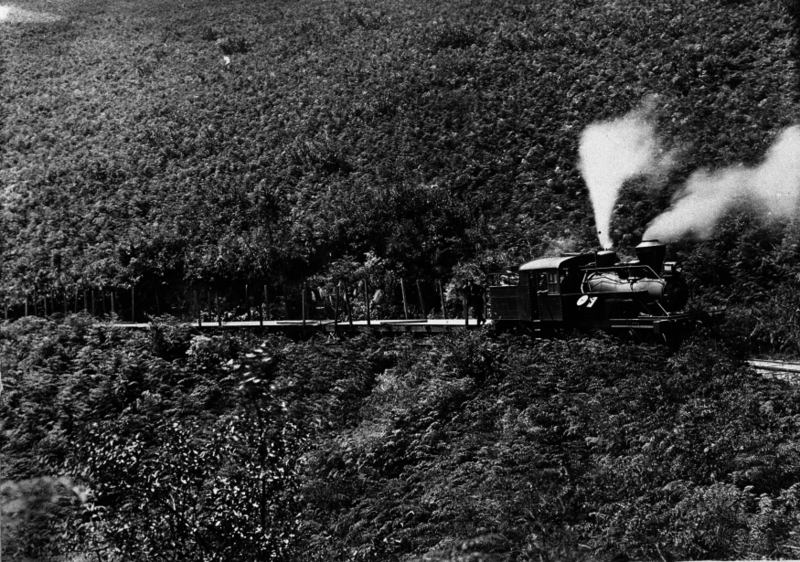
[{"x": 542, "y": 287}]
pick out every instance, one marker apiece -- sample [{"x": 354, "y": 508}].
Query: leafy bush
[
  {"x": 621, "y": 449},
  {"x": 177, "y": 460},
  {"x": 191, "y": 489},
  {"x": 34, "y": 514},
  {"x": 233, "y": 45}
]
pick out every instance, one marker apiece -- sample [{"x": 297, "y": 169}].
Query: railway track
[
  {"x": 423, "y": 326},
  {"x": 784, "y": 370}
]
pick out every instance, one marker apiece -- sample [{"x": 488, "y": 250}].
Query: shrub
[{"x": 232, "y": 45}]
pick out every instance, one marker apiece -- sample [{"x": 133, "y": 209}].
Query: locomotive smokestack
[
  {"x": 652, "y": 253},
  {"x": 605, "y": 258}
]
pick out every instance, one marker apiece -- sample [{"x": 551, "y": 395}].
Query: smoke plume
[
  {"x": 614, "y": 151},
  {"x": 773, "y": 187}
]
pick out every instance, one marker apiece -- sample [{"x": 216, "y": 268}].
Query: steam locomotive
[{"x": 641, "y": 298}]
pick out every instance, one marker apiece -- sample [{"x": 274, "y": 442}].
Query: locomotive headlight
[{"x": 673, "y": 267}]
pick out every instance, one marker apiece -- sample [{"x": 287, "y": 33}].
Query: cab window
[
  {"x": 541, "y": 281},
  {"x": 552, "y": 282}
]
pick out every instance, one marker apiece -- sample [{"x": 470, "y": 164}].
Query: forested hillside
[
  {"x": 194, "y": 146},
  {"x": 171, "y": 446},
  {"x": 199, "y": 144}
]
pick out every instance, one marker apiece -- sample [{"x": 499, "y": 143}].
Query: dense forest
[
  {"x": 178, "y": 147},
  {"x": 183, "y": 148}
]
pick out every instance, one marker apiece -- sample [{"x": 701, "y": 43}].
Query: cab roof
[{"x": 559, "y": 262}]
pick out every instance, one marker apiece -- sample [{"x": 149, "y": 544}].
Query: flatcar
[{"x": 641, "y": 298}]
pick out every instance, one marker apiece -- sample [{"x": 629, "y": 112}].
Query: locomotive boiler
[{"x": 641, "y": 298}]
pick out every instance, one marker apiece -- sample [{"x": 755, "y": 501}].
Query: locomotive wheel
[
  {"x": 672, "y": 341},
  {"x": 636, "y": 336},
  {"x": 525, "y": 330}
]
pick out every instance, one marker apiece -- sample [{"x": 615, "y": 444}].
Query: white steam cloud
[
  {"x": 612, "y": 152},
  {"x": 773, "y": 187}
]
